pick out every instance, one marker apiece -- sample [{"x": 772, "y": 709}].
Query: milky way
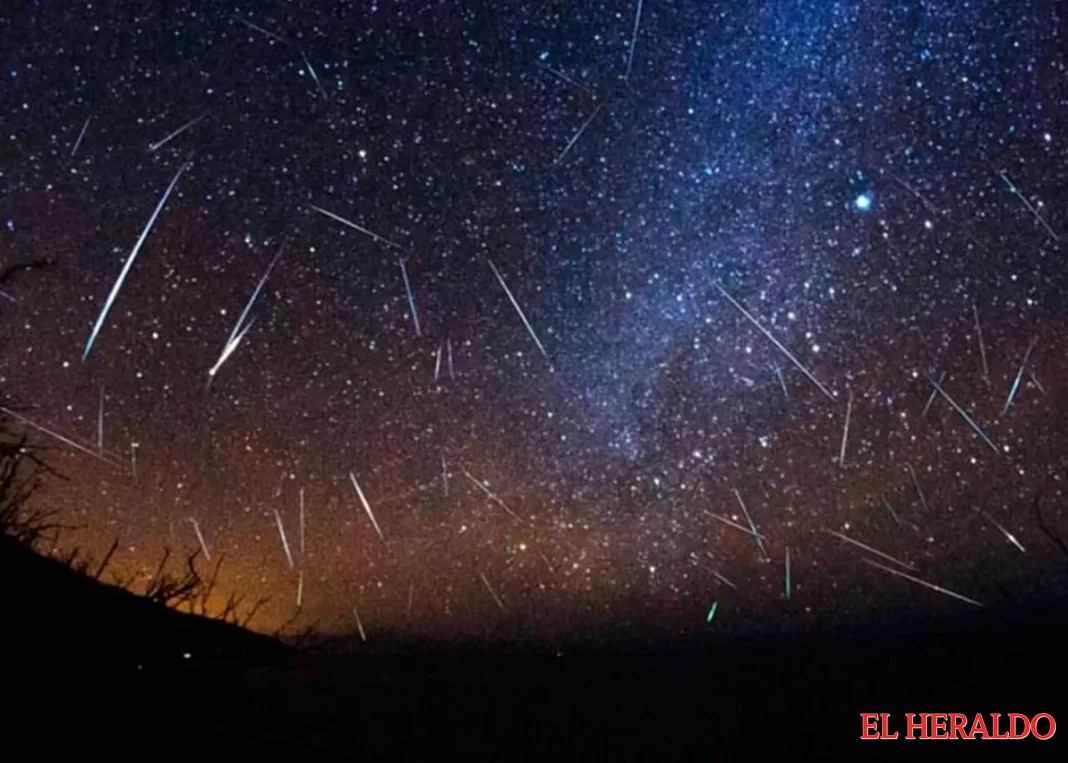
[{"x": 586, "y": 319}]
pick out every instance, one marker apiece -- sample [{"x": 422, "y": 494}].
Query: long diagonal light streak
[
  {"x": 130, "y": 261},
  {"x": 100, "y": 456},
  {"x": 366, "y": 506},
  {"x": 924, "y": 583},
  {"x": 776, "y": 342},
  {"x": 241, "y": 327},
  {"x": 966, "y": 417},
  {"x": 1019, "y": 375},
  {"x": 518, "y": 309},
  {"x": 354, "y": 226}
]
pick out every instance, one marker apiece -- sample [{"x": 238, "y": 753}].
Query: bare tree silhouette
[{"x": 21, "y": 473}]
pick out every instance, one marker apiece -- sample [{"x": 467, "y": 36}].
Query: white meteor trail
[
  {"x": 81, "y": 135},
  {"x": 260, "y": 29},
  {"x": 633, "y": 38},
  {"x": 489, "y": 493},
  {"x": 919, "y": 490},
  {"x": 870, "y": 550},
  {"x": 65, "y": 440},
  {"x": 200, "y": 538},
  {"x": 311, "y": 69},
  {"x": 776, "y": 342},
  {"x": 924, "y": 583},
  {"x": 756, "y": 535},
  {"x": 100, "y": 422},
  {"x": 934, "y": 394},
  {"x": 1034, "y": 380},
  {"x": 1019, "y": 375},
  {"x": 564, "y": 77},
  {"x": 301, "y": 525},
  {"x": 411, "y": 301},
  {"x": 965, "y": 416},
  {"x": 160, "y": 144},
  {"x": 282, "y": 536},
  {"x": 359, "y": 624},
  {"x": 1030, "y": 206},
  {"x": 735, "y": 525},
  {"x": 366, "y": 506},
  {"x": 724, "y": 580},
  {"x": 982, "y": 346},
  {"x": 782, "y": 383},
  {"x": 927, "y": 202},
  {"x": 354, "y": 226},
  {"x": 130, "y": 261},
  {"x": 437, "y": 362},
  {"x": 578, "y": 134},
  {"x": 890, "y": 508},
  {"x": 518, "y": 309},
  {"x": 256, "y": 291},
  {"x": 845, "y": 430},
  {"x": 228, "y": 350},
  {"x": 492, "y": 593},
  {"x": 241, "y": 328},
  {"x": 1008, "y": 536}
]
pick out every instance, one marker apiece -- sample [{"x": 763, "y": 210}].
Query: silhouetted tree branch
[
  {"x": 175, "y": 591},
  {"x": 107, "y": 559},
  {"x": 21, "y": 474}
]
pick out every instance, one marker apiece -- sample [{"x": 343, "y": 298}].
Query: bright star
[{"x": 863, "y": 202}]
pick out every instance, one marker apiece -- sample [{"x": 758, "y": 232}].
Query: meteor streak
[
  {"x": 366, "y": 506},
  {"x": 411, "y": 305},
  {"x": 870, "y": 550},
  {"x": 518, "y": 309},
  {"x": 282, "y": 536},
  {"x": 924, "y": 583},
  {"x": 776, "y": 342},
  {"x": 160, "y": 144},
  {"x": 354, "y": 226},
  {"x": 239, "y": 331},
  {"x": 130, "y": 261}
]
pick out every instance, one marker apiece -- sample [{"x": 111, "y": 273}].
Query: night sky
[{"x": 881, "y": 186}]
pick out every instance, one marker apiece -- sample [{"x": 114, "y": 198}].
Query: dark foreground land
[
  {"x": 773, "y": 700},
  {"x": 72, "y": 650}
]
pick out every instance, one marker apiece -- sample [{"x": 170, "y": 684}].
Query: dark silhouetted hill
[
  {"x": 58, "y": 621},
  {"x": 80, "y": 644}
]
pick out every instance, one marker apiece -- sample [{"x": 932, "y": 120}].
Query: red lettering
[
  {"x": 1052, "y": 726},
  {"x": 979, "y": 727},
  {"x": 938, "y": 724},
  {"x": 956, "y": 726},
  {"x": 912, "y": 726},
  {"x": 1013, "y": 733}
]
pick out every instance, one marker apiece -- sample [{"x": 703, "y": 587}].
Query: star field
[{"x": 557, "y": 321}]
